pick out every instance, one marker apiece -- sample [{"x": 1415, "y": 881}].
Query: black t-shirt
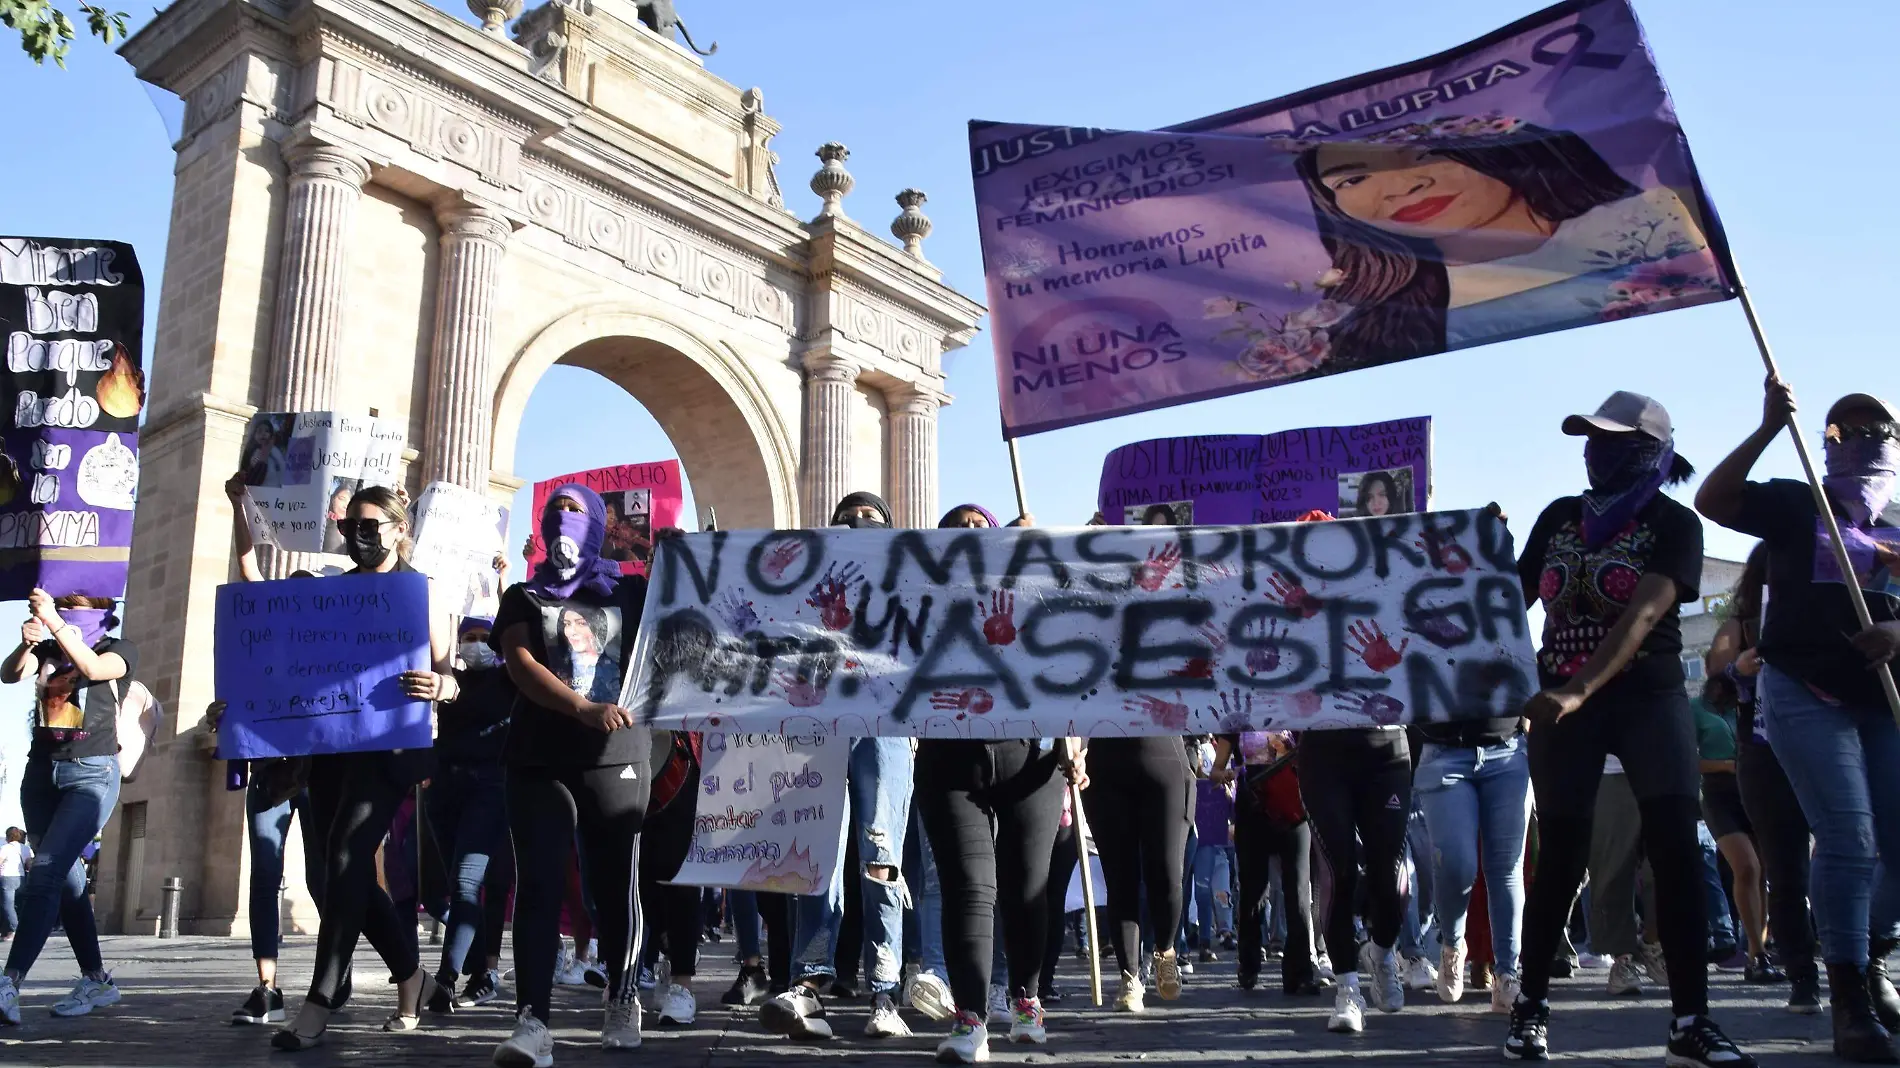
[
  {"x": 73, "y": 716},
  {"x": 473, "y": 728},
  {"x": 1584, "y": 591},
  {"x": 586, "y": 641},
  {"x": 1810, "y": 617}
]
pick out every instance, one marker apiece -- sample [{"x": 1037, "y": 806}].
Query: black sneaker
[
  {"x": 1703, "y": 1045},
  {"x": 442, "y": 997},
  {"x": 1249, "y": 975},
  {"x": 1762, "y": 969},
  {"x": 747, "y": 989},
  {"x": 482, "y": 988},
  {"x": 1563, "y": 967},
  {"x": 1530, "y": 1031},
  {"x": 265, "y": 1005},
  {"x": 844, "y": 990},
  {"x": 1804, "y": 989},
  {"x": 797, "y": 1013},
  {"x": 1050, "y": 995}
]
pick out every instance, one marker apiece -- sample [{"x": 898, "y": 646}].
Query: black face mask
[
  {"x": 366, "y": 547},
  {"x": 860, "y": 523}
]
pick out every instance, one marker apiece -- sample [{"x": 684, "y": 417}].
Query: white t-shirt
[{"x": 13, "y": 859}]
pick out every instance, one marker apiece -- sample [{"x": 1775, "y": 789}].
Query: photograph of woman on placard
[
  {"x": 1387, "y": 492},
  {"x": 266, "y": 458},
  {"x": 1469, "y": 229},
  {"x": 1160, "y": 514}
]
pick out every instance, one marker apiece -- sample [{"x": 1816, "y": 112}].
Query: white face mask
[
  {"x": 477, "y": 656},
  {"x": 565, "y": 555}
]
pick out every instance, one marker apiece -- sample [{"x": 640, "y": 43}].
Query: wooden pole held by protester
[
  {"x": 1821, "y": 503},
  {"x": 1016, "y": 472},
  {"x": 1088, "y": 893}
]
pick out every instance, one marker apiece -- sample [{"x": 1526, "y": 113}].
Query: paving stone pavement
[{"x": 179, "y": 992}]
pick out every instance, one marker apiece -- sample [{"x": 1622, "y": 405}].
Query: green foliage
[{"x": 47, "y": 32}]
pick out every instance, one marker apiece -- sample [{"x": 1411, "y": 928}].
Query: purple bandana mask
[
  {"x": 1626, "y": 473},
  {"x": 573, "y": 541},
  {"x": 90, "y": 621},
  {"x": 1861, "y": 476}
]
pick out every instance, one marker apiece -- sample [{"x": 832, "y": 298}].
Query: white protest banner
[
  {"x": 301, "y": 468},
  {"x": 771, "y": 813},
  {"x": 1026, "y": 633},
  {"x": 458, "y": 534}
]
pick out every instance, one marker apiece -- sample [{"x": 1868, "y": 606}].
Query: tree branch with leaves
[{"x": 47, "y": 32}]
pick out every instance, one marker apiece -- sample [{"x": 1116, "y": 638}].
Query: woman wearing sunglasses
[{"x": 354, "y": 797}]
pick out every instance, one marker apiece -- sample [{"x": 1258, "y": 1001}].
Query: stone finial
[
  {"x": 912, "y": 226},
  {"x": 494, "y": 13},
  {"x": 832, "y": 181}
]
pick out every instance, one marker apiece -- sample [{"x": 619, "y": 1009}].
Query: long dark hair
[
  {"x": 1392, "y": 501},
  {"x": 1744, "y": 604},
  {"x": 1398, "y": 284}
]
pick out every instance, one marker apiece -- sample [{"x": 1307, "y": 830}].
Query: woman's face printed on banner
[{"x": 1411, "y": 191}]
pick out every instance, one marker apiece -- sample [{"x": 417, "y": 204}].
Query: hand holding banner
[
  {"x": 309, "y": 666},
  {"x": 1027, "y": 633}
]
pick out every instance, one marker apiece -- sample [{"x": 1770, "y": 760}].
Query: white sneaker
[
  {"x": 1132, "y": 997},
  {"x": 9, "y": 1003},
  {"x": 567, "y": 970},
  {"x": 999, "y": 1006},
  {"x": 87, "y": 995},
  {"x": 797, "y": 1013},
  {"x": 1653, "y": 963},
  {"x": 1504, "y": 991},
  {"x": 678, "y": 1006},
  {"x": 1167, "y": 972},
  {"x": 1420, "y": 975},
  {"x": 1349, "y": 1011},
  {"x": 931, "y": 996},
  {"x": 1028, "y": 1025},
  {"x": 1451, "y": 974},
  {"x": 531, "y": 1046},
  {"x": 884, "y": 1021},
  {"x": 969, "y": 1042},
  {"x": 1626, "y": 977},
  {"x": 1591, "y": 962},
  {"x": 621, "y": 1027}
]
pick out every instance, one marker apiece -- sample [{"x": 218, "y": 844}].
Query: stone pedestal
[{"x": 461, "y": 398}]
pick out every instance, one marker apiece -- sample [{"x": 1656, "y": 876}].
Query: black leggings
[
  {"x": 1357, "y": 786},
  {"x": 1781, "y": 837},
  {"x": 1653, "y": 733},
  {"x": 675, "y": 911},
  {"x": 991, "y": 811},
  {"x": 1137, "y": 805},
  {"x": 354, "y": 797},
  {"x": 1062, "y": 861},
  {"x": 547, "y": 808},
  {"x": 1257, "y": 841}
]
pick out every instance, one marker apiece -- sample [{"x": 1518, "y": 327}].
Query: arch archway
[{"x": 732, "y": 443}]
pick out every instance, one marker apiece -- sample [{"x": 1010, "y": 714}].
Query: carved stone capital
[
  {"x": 913, "y": 398},
  {"x": 316, "y": 161},
  {"x": 829, "y": 368},
  {"x": 461, "y": 220}
]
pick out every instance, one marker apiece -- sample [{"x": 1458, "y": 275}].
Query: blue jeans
[
  {"x": 1212, "y": 884},
  {"x": 468, "y": 810},
  {"x": 9, "y": 919},
  {"x": 1418, "y": 887},
  {"x": 66, "y": 804},
  {"x": 1721, "y": 924},
  {"x": 269, "y": 827},
  {"x": 878, "y": 786},
  {"x": 745, "y": 922},
  {"x": 1477, "y": 803},
  {"x": 1840, "y": 759}
]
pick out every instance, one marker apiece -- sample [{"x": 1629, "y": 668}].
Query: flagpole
[
  {"x": 1088, "y": 894},
  {"x": 1821, "y": 503},
  {"x": 1016, "y": 471}
]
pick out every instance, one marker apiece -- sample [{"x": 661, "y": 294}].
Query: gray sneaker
[
  {"x": 1381, "y": 967},
  {"x": 1626, "y": 977},
  {"x": 797, "y": 1013},
  {"x": 621, "y": 1028},
  {"x": 531, "y": 1046}
]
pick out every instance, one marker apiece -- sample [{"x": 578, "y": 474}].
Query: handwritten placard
[
  {"x": 640, "y": 499},
  {"x": 771, "y": 813},
  {"x": 458, "y": 534},
  {"x": 310, "y": 666},
  {"x": 302, "y": 468}
]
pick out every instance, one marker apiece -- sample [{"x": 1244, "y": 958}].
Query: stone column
[
  {"x": 913, "y": 466},
  {"x": 325, "y": 184},
  {"x": 461, "y": 399},
  {"x": 830, "y": 380}
]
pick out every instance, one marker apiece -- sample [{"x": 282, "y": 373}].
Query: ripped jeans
[{"x": 878, "y": 792}]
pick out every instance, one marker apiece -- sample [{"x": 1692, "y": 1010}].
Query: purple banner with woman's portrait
[
  {"x": 1345, "y": 471},
  {"x": 1531, "y": 181}
]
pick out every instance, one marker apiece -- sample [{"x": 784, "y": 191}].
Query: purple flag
[
  {"x": 1345, "y": 471},
  {"x": 1531, "y": 181},
  {"x": 73, "y": 315}
]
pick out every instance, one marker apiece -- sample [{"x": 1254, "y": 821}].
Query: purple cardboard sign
[
  {"x": 1531, "y": 181},
  {"x": 73, "y": 314},
  {"x": 1344, "y": 471}
]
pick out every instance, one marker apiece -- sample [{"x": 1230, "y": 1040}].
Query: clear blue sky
[{"x": 1782, "y": 103}]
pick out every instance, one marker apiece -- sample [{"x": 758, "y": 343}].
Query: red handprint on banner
[
  {"x": 1152, "y": 572},
  {"x": 1202, "y": 667},
  {"x": 1168, "y": 715},
  {"x": 1000, "y": 627},
  {"x": 1295, "y": 596},
  {"x": 832, "y": 594},
  {"x": 973, "y": 699},
  {"x": 1444, "y": 553},
  {"x": 782, "y": 556},
  {"x": 1374, "y": 647}
]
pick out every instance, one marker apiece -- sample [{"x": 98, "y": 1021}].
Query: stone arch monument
[{"x": 380, "y": 206}]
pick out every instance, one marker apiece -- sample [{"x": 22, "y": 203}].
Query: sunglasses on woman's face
[{"x": 368, "y": 528}]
